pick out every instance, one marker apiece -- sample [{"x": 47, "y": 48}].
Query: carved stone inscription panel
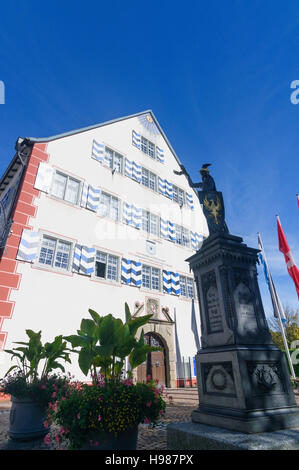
[
  {"x": 218, "y": 378},
  {"x": 247, "y": 323},
  {"x": 213, "y": 310}
]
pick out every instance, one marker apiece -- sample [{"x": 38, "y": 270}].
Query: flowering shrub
[
  {"x": 42, "y": 390},
  {"x": 110, "y": 406}
]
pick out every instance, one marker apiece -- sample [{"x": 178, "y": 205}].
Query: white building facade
[{"x": 92, "y": 219}]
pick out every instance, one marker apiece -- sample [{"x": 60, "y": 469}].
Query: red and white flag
[{"x": 285, "y": 249}]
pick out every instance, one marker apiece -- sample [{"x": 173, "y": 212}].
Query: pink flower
[
  {"x": 78, "y": 415},
  {"x": 161, "y": 413},
  {"x": 99, "y": 418},
  {"x": 57, "y": 437},
  {"x": 149, "y": 403},
  {"x": 146, "y": 421},
  {"x": 46, "y": 424},
  {"x": 43, "y": 387},
  {"x": 47, "y": 439},
  {"x": 100, "y": 398},
  {"x": 63, "y": 398},
  {"x": 53, "y": 395}
]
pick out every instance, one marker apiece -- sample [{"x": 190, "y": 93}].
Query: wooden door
[{"x": 154, "y": 366}]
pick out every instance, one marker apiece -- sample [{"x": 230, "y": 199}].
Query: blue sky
[{"x": 216, "y": 74}]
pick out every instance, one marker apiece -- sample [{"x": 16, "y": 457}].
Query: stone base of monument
[{"x": 195, "y": 436}]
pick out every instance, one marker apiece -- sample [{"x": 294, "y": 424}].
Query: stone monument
[{"x": 243, "y": 379}]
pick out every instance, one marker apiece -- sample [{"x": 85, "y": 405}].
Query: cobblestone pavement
[{"x": 148, "y": 438}]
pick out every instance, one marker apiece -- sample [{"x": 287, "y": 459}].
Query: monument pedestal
[{"x": 243, "y": 379}]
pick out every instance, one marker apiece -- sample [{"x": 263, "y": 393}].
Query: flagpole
[{"x": 277, "y": 306}]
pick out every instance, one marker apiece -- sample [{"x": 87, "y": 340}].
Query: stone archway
[{"x": 163, "y": 332}]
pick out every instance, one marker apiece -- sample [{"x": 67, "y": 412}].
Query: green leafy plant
[
  {"x": 35, "y": 363},
  {"x": 105, "y": 343}
]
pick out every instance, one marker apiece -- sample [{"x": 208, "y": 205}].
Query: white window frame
[
  {"x": 68, "y": 177},
  {"x": 150, "y": 222},
  {"x": 185, "y": 279},
  {"x": 114, "y": 153},
  {"x": 182, "y": 231},
  {"x": 148, "y": 176},
  {"x": 107, "y": 254},
  {"x": 151, "y": 278},
  {"x": 146, "y": 146},
  {"x": 178, "y": 189},
  {"x": 52, "y": 266},
  {"x": 110, "y": 208}
]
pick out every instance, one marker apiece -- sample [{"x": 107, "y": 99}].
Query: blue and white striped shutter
[
  {"x": 162, "y": 186},
  {"x": 136, "y": 139},
  {"x": 164, "y": 228},
  {"x": 76, "y": 258},
  {"x": 160, "y": 154},
  {"x": 199, "y": 239},
  {"x": 189, "y": 200},
  {"x": 166, "y": 279},
  {"x": 128, "y": 168},
  {"x": 136, "y": 172},
  {"x": 93, "y": 198},
  {"x": 171, "y": 231},
  {"x": 97, "y": 151},
  {"x": 193, "y": 240},
  {"x": 175, "y": 283},
  {"x": 136, "y": 216},
  {"x": 126, "y": 271},
  {"x": 136, "y": 273},
  {"x": 87, "y": 260},
  {"x": 29, "y": 245},
  {"x": 84, "y": 195},
  {"x": 168, "y": 189},
  {"x": 44, "y": 177},
  {"x": 127, "y": 213}
]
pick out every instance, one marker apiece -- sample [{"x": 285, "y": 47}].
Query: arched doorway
[{"x": 155, "y": 364}]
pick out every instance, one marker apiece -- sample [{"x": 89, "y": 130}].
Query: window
[
  {"x": 106, "y": 266},
  {"x": 150, "y": 223},
  {"x": 178, "y": 195},
  {"x": 148, "y": 179},
  {"x": 182, "y": 236},
  {"x": 109, "y": 206},
  {"x": 187, "y": 287},
  {"x": 55, "y": 253},
  {"x": 151, "y": 278},
  {"x": 66, "y": 188},
  {"x": 113, "y": 160},
  {"x": 147, "y": 147}
]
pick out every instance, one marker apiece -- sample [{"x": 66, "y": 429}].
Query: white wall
[{"x": 55, "y": 302}]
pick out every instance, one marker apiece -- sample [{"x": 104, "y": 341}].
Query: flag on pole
[
  {"x": 277, "y": 307},
  {"x": 285, "y": 249},
  {"x": 179, "y": 366},
  {"x": 297, "y": 200}
]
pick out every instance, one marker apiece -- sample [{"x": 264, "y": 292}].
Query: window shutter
[
  {"x": 135, "y": 278},
  {"x": 93, "y": 198},
  {"x": 189, "y": 199},
  {"x": 175, "y": 283},
  {"x": 128, "y": 168},
  {"x": 166, "y": 281},
  {"x": 29, "y": 245},
  {"x": 136, "y": 216},
  {"x": 136, "y": 138},
  {"x": 160, "y": 154},
  {"x": 171, "y": 231},
  {"x": 44, "y": 177},
  {"x": 168, "y": 189},
  {"x": 76, "y": 258},
  {"x": 126, "y": 271},
  {"x": 84, "y": 195},
  {"x": 196, "y": 240},
  {"x": 83, "y": 260},
  {"x": 164, "y": 228},
  {"x": 136, "y": 172},
  {"x": 87, "y": 260},
  {"x": 162, "y": 186},
  {"x": 97, "y": 151},
  {"x": 127, "y": 213}
]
